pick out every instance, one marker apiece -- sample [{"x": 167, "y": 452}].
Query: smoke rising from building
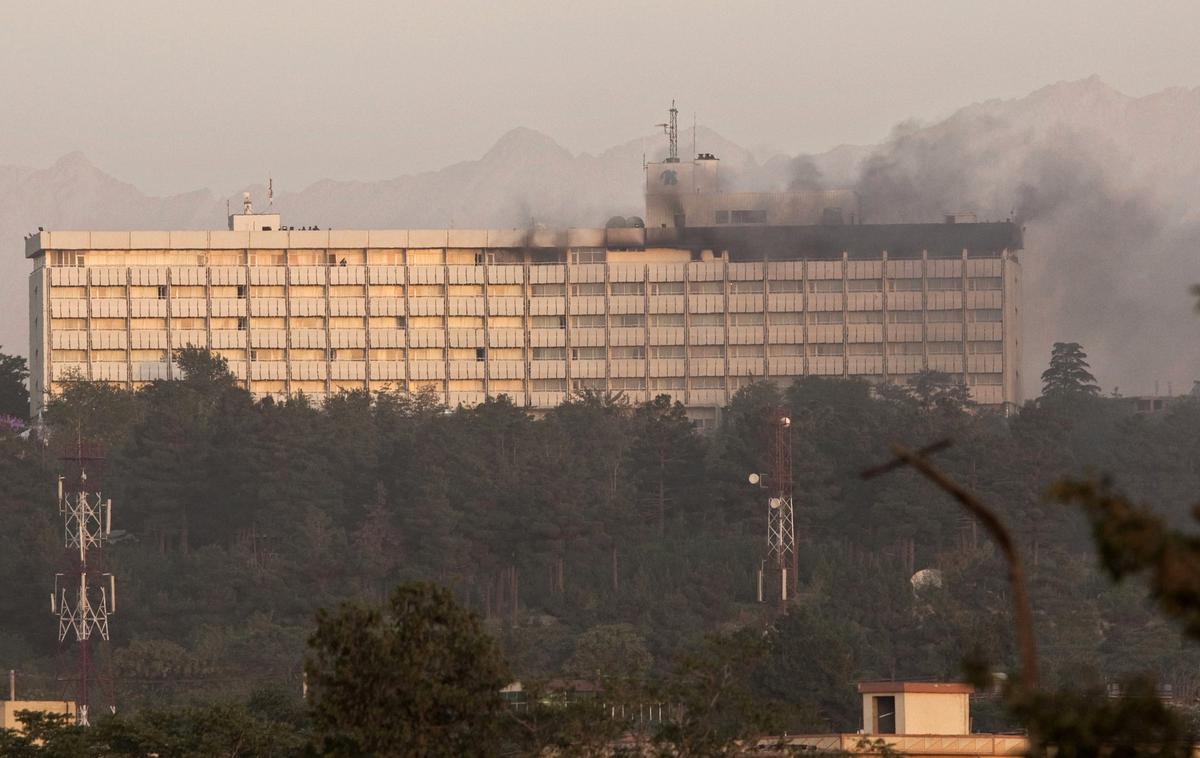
[{"x": 1107, "y": 263}]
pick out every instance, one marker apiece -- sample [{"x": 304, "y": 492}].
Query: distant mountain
[{"x": 1103, "y": 182}]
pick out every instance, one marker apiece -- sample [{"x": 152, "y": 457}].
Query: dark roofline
[{"x": 899, "y": 240}]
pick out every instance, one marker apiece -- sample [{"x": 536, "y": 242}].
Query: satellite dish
[
  {"x": 755, "y": 478},
  {"x": 926, "y": 578},
  {"x": 776, "y": 503},
  {"x": 785, "y": 422}
]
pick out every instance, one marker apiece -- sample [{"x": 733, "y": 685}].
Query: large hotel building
[{"x": 712, "y": 291}]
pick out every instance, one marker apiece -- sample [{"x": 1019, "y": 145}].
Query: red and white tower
[
  {"x": 84, "y": 594},
  {"x": 777, "y": 572}
]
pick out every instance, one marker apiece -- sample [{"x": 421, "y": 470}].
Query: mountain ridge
[{"x": 1101, "y": 178}]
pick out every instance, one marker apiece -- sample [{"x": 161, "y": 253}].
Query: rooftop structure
[{"x": 694, "y": 307}]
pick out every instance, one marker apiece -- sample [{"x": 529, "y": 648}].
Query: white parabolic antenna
[
  {"x": 755, "y": 478},
  {"x": 775, "y": 503}
]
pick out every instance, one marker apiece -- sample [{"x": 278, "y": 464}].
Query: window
[
  {"x": 864, "y": 348},
  {"x": 864, "y": 285},
  {"x": 944, "y": 283},
  {"x": 904, "y": 285},
  {"x": 985, "y": 379},
  {"x": 587, "y": 255},
  {"x": 827, "y": 317},
  {"x": 241, "y": 292},
  {"x": 427, "y": 354},
  {"x": 945, "y": 348},
  {"x": 587, "y": 289},
  {"x": 785, "y": 318},
  {"x": 426, "y": 290},
  {"x": 180, "y": 322},
  {"x": 905, "y": 317},
  {"x": 548, "y": 385},
  {"x": 748, "y": 217},
  {"x": 266, "y": 354},
  {"x": 548, "y": 322},
  {"x": 865, "y": 317},
  {"x": 401, "y": 322},
  {"x": 592, "y": 384},
  {"x": 746, "y": 319},
  {"x": 666, "y": 319},
  {"x": 905, "y": 348},
  {"x": 456, "y": 290},
  {"x": 706, "y": 351},
  {"x": 587, "y": 353},
  {"x": 833, "y": 348},
  {"x": 627, "y": 320},
  {"x": 548, "y": 290},
  {"x": 980, "y": 283},
  {"x": 782, "y": 351},
  {"x": 985, "y": 348},
  {"x": 627, "y": 288},
  {"x": 746, "y": 351},
  {"x": 426, "y": 322},
  {"x": 667, "y": 383},
  {"x": 985, "y": 315},
  {"x": 722, "y": 217},
  {"x": 162, "y": 292},
  {"x": 549, "y": 353},
  {"x": 786, "y": 285},
  {"x": 667, "y": 351},
  {"x": 628, "y": 352},
  {"x": 748, "y": 287},
  {"x": 666, "y": 288},
  {"x": 628, "y": 383},
  {"x": 588, "y": 321},
  {"x": 242, "y": 323},
  {"x": 706, "y": 288},
  {"x": 708, "y": 319},
  {"x": 944, "y": 317},
  {"x": 480, "y": 354},
  {"x": 707, "y": 382}
]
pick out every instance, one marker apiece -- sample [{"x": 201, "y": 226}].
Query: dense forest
[{"x": 603, "y": 536}]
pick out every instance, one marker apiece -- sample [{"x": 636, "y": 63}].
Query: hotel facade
[{"x": 690, "y": 307}]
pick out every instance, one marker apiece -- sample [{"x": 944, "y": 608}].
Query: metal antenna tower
[
  {"x": 777, "y": 572},
  {"x": 671, "y": 129},
  {"x": 84, "y": 595}
]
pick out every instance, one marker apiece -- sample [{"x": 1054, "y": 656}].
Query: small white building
[{"x": 942, "y": 708}]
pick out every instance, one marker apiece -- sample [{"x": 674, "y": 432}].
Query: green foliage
[
  {"x": 609, "y": 651},
  {"x": 14, "y": 396},
  {"x": 418, "y": 676},
  {"x": 1131, "y": 539},
  {"x": 240, "y": 519},
  {"x": 1068, "y": 377}
]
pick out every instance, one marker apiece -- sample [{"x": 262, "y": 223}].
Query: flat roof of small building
[{"x": 945, "y": 688}]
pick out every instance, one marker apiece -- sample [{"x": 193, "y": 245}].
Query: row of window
[
  {"x": 590, "y": 353},
  {"x": 578, "y": 289},
  {"x": 579, "y": 321}
]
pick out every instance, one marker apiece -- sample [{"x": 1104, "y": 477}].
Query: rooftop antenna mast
[
  {"x": 84, "y": 595},
  {"x": 777, "y": 571},
  {"x": 671, "y": 129}
]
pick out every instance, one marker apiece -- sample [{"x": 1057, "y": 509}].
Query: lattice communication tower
[
  {"x": 85, "y": 596},
  {"x": 777, "y": 571}
]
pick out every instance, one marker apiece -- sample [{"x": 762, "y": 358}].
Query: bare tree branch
[{"x": 1016, "y": 569}]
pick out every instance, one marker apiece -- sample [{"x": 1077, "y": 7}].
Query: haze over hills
[{"x": 1103, "y": 182}]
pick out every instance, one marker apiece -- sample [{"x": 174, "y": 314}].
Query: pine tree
[
  {"x": 14, "y": 398},
  {"x": 1068, "y": 376}
]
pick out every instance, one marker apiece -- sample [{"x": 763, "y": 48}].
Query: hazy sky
[{"x": 174, "y": 96}]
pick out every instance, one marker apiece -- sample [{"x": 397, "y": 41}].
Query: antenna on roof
[
  {"x": 270, "y": 192},
  {"x": 247, "y": 206},
  {"x": 671, "y": 129}
]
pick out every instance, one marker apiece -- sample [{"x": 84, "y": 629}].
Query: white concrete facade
[{"x": 532, "y": 314}]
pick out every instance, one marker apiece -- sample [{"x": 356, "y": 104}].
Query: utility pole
[
  {"x": 777, "y": 571},
  {"x": 84, "y": 595}
]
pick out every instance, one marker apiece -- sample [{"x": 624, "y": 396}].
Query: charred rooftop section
[{"x": 752, "y": 243}]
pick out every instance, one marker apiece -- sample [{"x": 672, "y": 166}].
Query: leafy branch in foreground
[{"x": 1132, "y": 539}]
